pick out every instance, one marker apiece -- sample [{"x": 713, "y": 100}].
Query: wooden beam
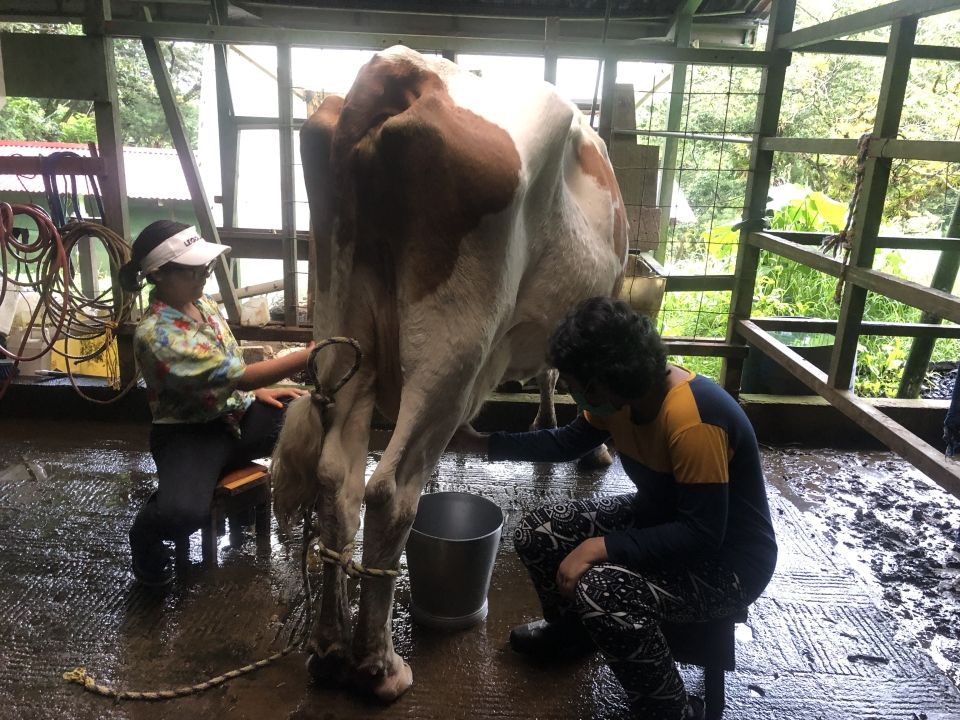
[
  {"x": 198, "y": 196},
  {"x": 901, "y": 242},
  {"x": 879, "y": 49},
  {"x": 288, "y": 208},
  {"x": 260, "y": 244},
  {"x": 704, "y": 348},
  {"x": 608, "y": 97},
  {"x": 923, "y": 456},
  {"x": 683, "y": 20},
  {"x": 944, "y": 278},
  {"x": 695, "y": 283},
  {"x": 654, "y": 51},
  {"x": 937, "y": 302},
  {"x": 683, "y": 16},
  {"x": 795, "y": 252},
  {"x": 876, "y": 176},
  {"x": 883, "y": 329},
  {"x": 810, "y": 146},
  {"x": 63, "y": 67},
  {"x": 758, "y": 185},
  {"x": 10, "y": 165},
  {"x": 862, "y": 21},
  {"x": 551, "y": 33},
  {"x": 273, "y": 332},
  {"x": 879, "y": 147},
  {"x": 226, "y": 126}
]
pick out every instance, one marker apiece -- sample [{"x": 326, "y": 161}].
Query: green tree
[{"x": 142, "y": 121}]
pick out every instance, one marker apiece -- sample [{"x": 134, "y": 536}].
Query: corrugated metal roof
[
  {"x": 198, "y": 11},
  {"x": 153, "y": 173},
  {"x": 638, "y": 9}
]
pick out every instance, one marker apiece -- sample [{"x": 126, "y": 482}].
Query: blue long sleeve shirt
[{"x": 696, "y": 466}]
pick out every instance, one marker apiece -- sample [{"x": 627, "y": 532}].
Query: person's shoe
[
  {"x": 551, "y": 640},
  {"x": 152, "y": 573},
  {"x": 694, "y": 710}
]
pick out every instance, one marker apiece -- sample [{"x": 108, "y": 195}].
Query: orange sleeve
[
  {"x": 700, "y": 454},
  {"x": 598, "y": 422}
]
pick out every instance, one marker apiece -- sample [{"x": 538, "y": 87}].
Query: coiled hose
[{"x": 43, "y": 265}]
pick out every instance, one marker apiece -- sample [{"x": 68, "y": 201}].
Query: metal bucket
[{"x": 450, "y": 555}]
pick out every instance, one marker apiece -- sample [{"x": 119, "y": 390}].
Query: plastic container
[
  {"x": 763, "y": 375},
  {"x": 450, "y": 555}
]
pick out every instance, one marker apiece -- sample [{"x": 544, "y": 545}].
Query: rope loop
[
  {"x": 344, "y": 559},
  {"x": 322, "y": 397}
]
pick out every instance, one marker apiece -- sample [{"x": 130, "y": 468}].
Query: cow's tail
[{"x": 295, "y": 461}]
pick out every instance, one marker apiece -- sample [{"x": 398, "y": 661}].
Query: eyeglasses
[{"x": 195, "y": 272}]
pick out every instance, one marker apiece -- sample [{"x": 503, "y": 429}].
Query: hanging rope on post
[{"x": 842, "y": 240}]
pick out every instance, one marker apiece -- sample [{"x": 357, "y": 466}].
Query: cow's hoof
[
  {"x": 330, "y": 668},
  {"x": 387, "y": 683},
  {"x": 596, "y": 460}
]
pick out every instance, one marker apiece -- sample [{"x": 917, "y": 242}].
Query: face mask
[{"x": 605, "y": 410}]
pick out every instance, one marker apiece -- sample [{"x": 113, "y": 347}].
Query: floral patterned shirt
[{"x": 191, "y": 368}]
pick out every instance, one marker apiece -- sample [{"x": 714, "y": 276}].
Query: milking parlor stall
[{"x": 414, "y": 194}]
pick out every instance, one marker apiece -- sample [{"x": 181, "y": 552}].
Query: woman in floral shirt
[{"x": 211, "y": 412}]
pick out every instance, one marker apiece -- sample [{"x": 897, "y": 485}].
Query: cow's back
[{"x": 439, "y": 187}]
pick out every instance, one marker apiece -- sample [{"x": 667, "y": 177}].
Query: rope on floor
[{"x": 80, "y": 676}]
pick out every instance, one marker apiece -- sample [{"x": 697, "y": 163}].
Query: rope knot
[
  {"x": 77, "y": 675},
  {"x": 344, "y": 560}
]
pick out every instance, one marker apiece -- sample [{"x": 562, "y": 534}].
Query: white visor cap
[{"x": 184, "y": 248}]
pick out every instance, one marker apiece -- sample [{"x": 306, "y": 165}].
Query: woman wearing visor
[{"x": 211, "y": 412}]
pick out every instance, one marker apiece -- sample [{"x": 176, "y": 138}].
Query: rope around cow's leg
[{"x": 345, "y": 560}]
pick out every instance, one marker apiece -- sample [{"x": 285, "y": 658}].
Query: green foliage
[
  {"x": 788, "y": 289},
  {"x": 142, "y": 122},
  {"x": 78, "y": 128},
  {"x": 26, "y": 119}
]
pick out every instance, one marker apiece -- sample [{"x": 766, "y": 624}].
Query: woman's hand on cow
[
  {"x": 466, "y": 439},
  {"x": 273, "y": 395},
  {"x": 583, "y": 557}
]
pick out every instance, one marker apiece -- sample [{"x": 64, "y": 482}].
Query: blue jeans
[{"x": 190, "y": 458}]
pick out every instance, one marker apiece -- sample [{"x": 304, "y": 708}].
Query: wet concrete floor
[{"x": 820, "y": 644}]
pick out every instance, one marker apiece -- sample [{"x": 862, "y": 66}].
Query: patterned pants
[{"x": 622, "y": 608}]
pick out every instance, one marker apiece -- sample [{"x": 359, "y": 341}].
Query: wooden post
[
  {"x": 208, "y": 228},
  {"x": 944, "y": 278},
  {"x": 551, "y": 33},
  {"x": 288, "y": 210},
  {"x": 896, "y": 73},
  {"x": 758, "y": 184}
]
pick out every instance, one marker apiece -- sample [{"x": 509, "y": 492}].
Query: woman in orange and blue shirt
[
  {"x": 211, "y": 412},
  {"x": 693, "y": 543}
]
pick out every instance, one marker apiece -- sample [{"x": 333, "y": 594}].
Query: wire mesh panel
[{"x": 684, "y": 210}]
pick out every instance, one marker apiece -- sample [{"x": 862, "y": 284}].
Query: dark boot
[{"x": 562, "y": 640}]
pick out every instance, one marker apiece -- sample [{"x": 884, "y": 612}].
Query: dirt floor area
[
  {"x": 859, "y": 623},
  {"x": 895, "y": 526}
]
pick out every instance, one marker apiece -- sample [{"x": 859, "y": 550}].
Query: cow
[{"x": 454, "y": 222}]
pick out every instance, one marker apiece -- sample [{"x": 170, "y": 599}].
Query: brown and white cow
[{"x": 455, "y": 222}]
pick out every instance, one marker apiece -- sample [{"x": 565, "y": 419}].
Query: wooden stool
[
  {"x": 712, "y": 646},
  {"x": 238, "y": 493}
]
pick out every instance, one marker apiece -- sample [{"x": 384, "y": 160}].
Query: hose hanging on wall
[{"x": 42, "y": 266}]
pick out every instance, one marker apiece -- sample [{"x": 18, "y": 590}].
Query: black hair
[
  {"x": 605, "y": 339},
  {"x": 148, "y": 239}
]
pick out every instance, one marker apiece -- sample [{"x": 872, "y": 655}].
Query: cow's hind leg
[
  {"x": 341, "y": 472},
  {"x": 433, "y": 404},
  {"x": 546, "y": 412}
]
